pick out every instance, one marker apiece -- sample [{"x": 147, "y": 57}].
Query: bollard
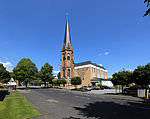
[{"x": 147, "y": 93}]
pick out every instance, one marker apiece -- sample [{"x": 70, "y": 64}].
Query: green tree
[
  {"x": 36, "y": 83},
  {"x": 59, "y": 81},
  {"x": 45, "y": 73},
  {"x": 4, "y": 74},
  {"x": 63, "y": 81},
  {"x": 25, "y": 71},
  {"x": 54, "y": 82},
  {"x": 58, "y": 75},
  {"x": 141, "y": 75},
  {"x": 122, "y": 78},
  {"x": 76, "y": 81},
  {"x": 114, "y": 79},
  {"x": 147, "y": 2}
]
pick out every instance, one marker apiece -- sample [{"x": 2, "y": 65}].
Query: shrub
[{"x": 76, "y": 81}]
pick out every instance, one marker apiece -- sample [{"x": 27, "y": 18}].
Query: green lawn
[
  {"x": 13, "y": 94},
  {"x": 17, "y": 108}
]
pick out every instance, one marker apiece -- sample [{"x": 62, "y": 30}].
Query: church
[{"x": 90, "y": 73}]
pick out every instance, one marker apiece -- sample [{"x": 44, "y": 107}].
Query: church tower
[{"x": 67, "y": 62}]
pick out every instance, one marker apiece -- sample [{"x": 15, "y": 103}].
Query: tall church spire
[
  {"x": 67, "y": 39},
  {"x": 67, "y": 63}
]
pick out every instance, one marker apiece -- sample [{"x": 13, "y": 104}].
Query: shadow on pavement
[
  {"x": 111, "y": 110},
  {"x": 3, "y": 93},
  {"x": 71, "y": 118}
]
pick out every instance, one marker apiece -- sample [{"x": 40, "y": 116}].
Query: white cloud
[
  {"x": 100, "y": 64},
  {"x": 56, "y": 72},
  {"x": 130, "y": 70},
  {"x": 8, "y": 65},
  {"x": 106, "y": 53}
]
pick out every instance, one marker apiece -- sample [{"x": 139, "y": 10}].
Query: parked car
[
  {"x": 132, "y": 90},
  {"x": 106, "y": 87},
  {"x": 92, "y": 87},
  {"x": 86, "y": 88},
  {"x": 96, "y": 87}
]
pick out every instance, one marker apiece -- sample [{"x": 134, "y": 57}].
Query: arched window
[
  {"x": 68, "y": 56},
  {"x": 63, "y": 73},
  {"x": 68, "y": 73},
  {"x": 63, "y": 56}
]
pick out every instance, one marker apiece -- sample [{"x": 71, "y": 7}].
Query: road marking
[
  {"x": 82, "y": 97},
  {"x": 52, "y": 101},
  {"x": 62, "y": 93}
]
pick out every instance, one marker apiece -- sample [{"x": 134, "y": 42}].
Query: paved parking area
[
  {"x": 105, "y": 91},
  {"x": 65, "y": 104}
]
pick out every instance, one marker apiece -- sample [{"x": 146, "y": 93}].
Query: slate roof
[
  {"x": 88, "y": 62},
  {"x": 67, "y": 39}
]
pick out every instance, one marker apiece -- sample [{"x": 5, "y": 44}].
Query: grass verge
[
  {"x": 16, "y": 108},
  {"x": 13, "y": 94}
]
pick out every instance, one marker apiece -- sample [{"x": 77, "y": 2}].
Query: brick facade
[
  {"x": 89, "y": 72},
  {"x": 86, "y": 70}
]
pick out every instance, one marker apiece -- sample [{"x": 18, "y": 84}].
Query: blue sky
[{"x": 108, "y": 32}]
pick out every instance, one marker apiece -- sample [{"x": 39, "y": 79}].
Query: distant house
[{"x": 12, "y": 82}]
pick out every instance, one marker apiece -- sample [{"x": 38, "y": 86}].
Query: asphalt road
[{"x": 59, "y": 104}]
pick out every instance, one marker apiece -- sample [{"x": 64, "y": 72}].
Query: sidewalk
[{"x": 109, "y": 94}]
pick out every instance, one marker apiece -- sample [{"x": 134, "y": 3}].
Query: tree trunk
[
  {"x": 116, "y": 89},
  {"x": 75, "y": 86},
  {"x": 145, "y": 91},
  {"x": 45, "y": 83},
  {"x": 122, "y": 88},
  {"x": 26, "y": 84}
]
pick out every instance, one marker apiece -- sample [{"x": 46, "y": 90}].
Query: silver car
[{"x": 86, "y": 88}]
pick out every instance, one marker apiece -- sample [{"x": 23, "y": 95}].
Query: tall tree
[
  {"x": 114, "y": 79},
  {"x": 58, "y": 75},
  {"x": 45, "y": 73},
  {"x": 25, "y": 71},
  {"x": 76, "y": 81},
  {"x": 147, "y": 68},
  {"x": 122, "y": 78},
  {"x": 142, "y": 75},
  {"x": 147, "y": 2},
  {"x": 4, "y": 74}
]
